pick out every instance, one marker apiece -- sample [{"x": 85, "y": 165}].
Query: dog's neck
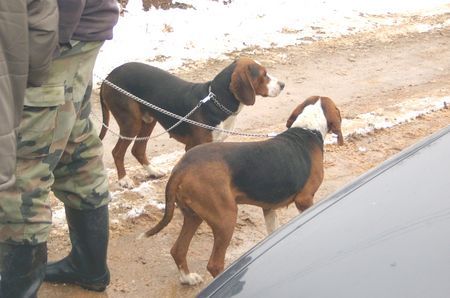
[
  {"x": 220, "y": 87},
  {"x": 313, "y": 118}
]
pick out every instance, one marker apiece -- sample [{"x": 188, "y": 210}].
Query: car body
[{"x": 387, "y": 234}]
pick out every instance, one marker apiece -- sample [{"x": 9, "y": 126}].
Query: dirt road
[{"x": 361, "y": 73}]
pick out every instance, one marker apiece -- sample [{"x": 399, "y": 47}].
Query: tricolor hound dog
[
  {"x": 211, "y": 179},
  {"x": 233, "y": 87}
]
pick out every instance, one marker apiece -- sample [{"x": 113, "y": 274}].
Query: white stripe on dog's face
[
  {"x": 312, "y": 118},
  {"x": 274, "y": 87}
]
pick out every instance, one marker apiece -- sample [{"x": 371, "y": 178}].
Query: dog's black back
[
  {"x": 174, "y": 94},
  {"x": 267, "y": 171}
]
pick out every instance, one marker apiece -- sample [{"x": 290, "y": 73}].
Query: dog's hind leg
[
  {"x": 223, "y": 228},
  {"x": 119, "y": 154},
  {"x": 119, "y": 150},
  {"x": 140, "y": 147},
  {"x": 179, "y": 250}
]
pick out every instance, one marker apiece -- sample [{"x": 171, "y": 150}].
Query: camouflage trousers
[{"x": 58, "y": 150}]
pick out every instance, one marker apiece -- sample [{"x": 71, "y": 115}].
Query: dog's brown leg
[
  {"x": 119, "y": 153},
  {"x": 179, "y": 250},
  {"x": 223, "y": 228},
  {"x": 140, "y": 147},
  {"x": 119, "y": 150}
]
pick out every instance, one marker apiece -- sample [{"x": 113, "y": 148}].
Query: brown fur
[
  {"x": 248, "y": 79},
  {"x": 202, "y": 186}
]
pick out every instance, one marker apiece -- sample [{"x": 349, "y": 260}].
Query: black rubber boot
[
  {"x": 22, "y": 269},
  {"x": 86, "y": 264}
]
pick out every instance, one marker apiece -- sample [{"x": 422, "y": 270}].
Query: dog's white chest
[{"x": 227, "y": 124}]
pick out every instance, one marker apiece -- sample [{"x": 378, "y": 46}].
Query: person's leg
[
  {"x": 81, "y": 184},
  {"x": 25, "y": 216},
  {"x": 22, "y": 269}
]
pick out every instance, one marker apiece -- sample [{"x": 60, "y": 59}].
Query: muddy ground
[{"x": 361, "y": 73}]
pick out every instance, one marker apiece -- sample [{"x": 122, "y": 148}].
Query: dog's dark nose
[{"x": 281, "y": 85}]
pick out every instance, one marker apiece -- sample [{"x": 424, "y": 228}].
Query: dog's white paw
[
  {"x": 191, "y": 279},
  {"x": 126, "y": 182},
  {"x": 153, "y": 172}
]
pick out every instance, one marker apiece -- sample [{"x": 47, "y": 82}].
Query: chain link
[
  {"x": 180, "y": 118},
  {"x": 221, "y": 106}
]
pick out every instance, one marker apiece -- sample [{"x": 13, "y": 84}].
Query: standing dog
[
  {"x": 233, "y": 87},
  {"x": 211, "y": 179}
]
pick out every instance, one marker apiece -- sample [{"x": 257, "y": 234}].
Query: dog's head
[
  {"x": 250, "y": 78},
  {"x": 330, "y": 112}
]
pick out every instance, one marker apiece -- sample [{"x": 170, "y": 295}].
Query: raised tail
[
  {"x": 171, "y": 193},
  {"x": 105, "y": 113}
]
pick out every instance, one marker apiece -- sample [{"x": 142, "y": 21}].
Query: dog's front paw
[
  {"x": 191, "y": 279},
  {"x": 153, "y": 172},
  {"x": 126, "y": 182}
]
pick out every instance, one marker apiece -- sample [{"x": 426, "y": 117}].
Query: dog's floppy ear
[
  {"x": 334, "y": 119},
  {"x": 241, "y": 85}
]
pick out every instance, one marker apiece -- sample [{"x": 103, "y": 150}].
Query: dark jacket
[
  {"x": 28, "y": 37},
  {"x": 87, "y": 20}
]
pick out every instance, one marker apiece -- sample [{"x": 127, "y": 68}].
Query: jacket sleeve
[
  {"x": 43, "y": 38},
  {"x": 70, "y": 12}
]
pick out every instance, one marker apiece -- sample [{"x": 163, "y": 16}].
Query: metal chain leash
[
  {"x": 180, "y": 118},
  {"x": 221, "y": 106},
  {"x": 206, "y": 99},
  {"x": 143, "y": 138}
]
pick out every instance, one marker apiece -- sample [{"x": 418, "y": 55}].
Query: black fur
[
  {"x": 276, "y": 169},
  {"x": 268, "y": 171},
  {"x": 176, "y": 95}
]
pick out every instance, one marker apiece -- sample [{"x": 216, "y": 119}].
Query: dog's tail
[
  {"x": 105, "y": 113},
  {"x": 171, "y": 195}
]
